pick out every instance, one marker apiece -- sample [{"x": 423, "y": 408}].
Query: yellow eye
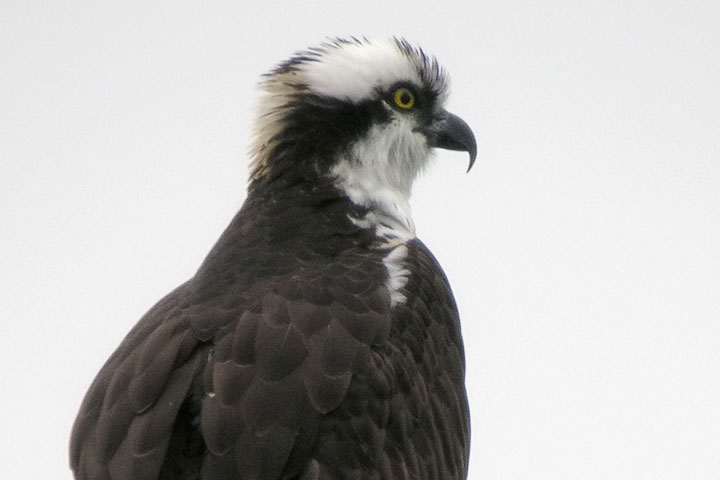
[{"x": 404, "y": 98}]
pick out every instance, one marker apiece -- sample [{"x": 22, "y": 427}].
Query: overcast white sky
[{"x": 583, "y": 248}]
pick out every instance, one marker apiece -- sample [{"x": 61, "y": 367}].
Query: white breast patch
[{"x": 398, "y": 274}]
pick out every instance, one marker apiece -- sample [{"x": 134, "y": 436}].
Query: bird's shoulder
[{"x": 250, "y": 352}]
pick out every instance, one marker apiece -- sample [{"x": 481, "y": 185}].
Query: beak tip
[{"x": 473, "y": 155}]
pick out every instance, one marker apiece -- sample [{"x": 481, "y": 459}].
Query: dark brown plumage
[{"x": 285, "y": 357}]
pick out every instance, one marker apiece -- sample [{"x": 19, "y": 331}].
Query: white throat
[
  {"x": 378, "y": 172},
  {"x": 389, "y": 212},
  {"x": 388, "y": 215}
]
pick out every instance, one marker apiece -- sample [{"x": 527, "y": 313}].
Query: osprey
[{"x": 319, "y": 339}]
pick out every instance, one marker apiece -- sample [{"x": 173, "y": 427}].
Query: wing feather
[{"x": 254, "y": 380}]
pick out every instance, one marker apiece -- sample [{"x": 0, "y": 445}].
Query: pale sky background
[{"x": 583, "y": 248}]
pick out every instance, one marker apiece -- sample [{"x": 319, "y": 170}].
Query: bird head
[{"x": 362, "y": 114}]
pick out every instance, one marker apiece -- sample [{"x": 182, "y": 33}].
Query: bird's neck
[
  {"x": 317, "y": 211},
  {"x": 372, "y": 205},
  {"x": 386, "y": 213},
  {"x": 278, "y": 229},
  {"x": 385, "y": 204}
]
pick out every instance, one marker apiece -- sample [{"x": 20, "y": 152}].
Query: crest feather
[{"x": 353, "y": 70}]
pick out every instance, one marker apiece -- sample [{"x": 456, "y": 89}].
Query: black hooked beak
[{"x": 450, "y": 132}]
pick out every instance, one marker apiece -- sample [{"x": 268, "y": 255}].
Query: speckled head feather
[{"x": 340, "y": 72}]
